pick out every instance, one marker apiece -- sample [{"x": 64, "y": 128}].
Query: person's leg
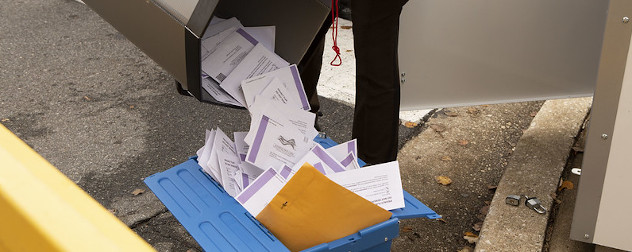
[
  {"x": 376, "y": 115},
  {"x": 309, "y": 69},
  {"x": 310, "y": 66}
]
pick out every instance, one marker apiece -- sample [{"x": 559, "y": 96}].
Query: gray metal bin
[{"x": 170, "y": 31}]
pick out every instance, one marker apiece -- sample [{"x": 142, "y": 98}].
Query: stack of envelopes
[
  {"x": 239, "y": 62},
  {"x": 275, "y": 170}
]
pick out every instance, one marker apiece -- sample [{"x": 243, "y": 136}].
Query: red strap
[{"x": 334, "y": 32}]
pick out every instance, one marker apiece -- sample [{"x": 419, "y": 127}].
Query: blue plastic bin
[{"x": 219, "y": 223}]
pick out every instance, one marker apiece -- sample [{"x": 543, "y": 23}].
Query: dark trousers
[{"x": 376, "y": 113}]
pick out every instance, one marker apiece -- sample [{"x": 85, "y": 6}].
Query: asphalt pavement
[{"x": 107, "y": 116}]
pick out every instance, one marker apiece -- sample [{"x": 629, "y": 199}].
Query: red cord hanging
[{"x": 334, "y": 33}]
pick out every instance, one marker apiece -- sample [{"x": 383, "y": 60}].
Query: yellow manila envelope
[{"x": 311, "y": 209}]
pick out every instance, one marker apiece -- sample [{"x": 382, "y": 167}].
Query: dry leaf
[
  {"x": 473, "y": 111},
  {"x": 442, "y": 220},
  {"x": 138, "y": 191},
  {"x": 566, "y": 185},
  {"x": 407, "y": 229},
  {"x": 346, "y": 27},
  {"x": 87, "y": 98},
  {"x": 470, "y": 234},
  {"x": 470, "y": 239},
  {"x": 349, "y": 51},
  {"x": 438, "y": 127},
  {"x": 131, "y": 106},
  {"x": 463, "y": 142},
  {"x": 410, "y": 125},
  {"x": 444, "y": 180},
  {"x": 5, "y": 120},
  {"x": 466, "y": 249},
  {"x": 533, "y": 114},
  {"x": 446, "y": 158},
  {"x": 477, "y": 226}
]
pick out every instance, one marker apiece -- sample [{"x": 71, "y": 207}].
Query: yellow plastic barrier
[{"x": 43, "y": 210}]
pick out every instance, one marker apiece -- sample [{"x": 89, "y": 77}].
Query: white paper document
[
  {"x": 229, "y": 166},
  {"x": 261, "y": 191},
  {"x": 350, "y": 162},
  {"x": 317, "y": 156},
  {"x": 275, "y": 94},
  {"x": 241, "y": 146},
  {"x": 201, "y": 150},
  {"x": 249, "y": 170},
  {"x": 228, "y": 54},
  {"x": 380, "y": 184},
  {"x": 290, "y": 77},
  {"x": 286, "y": 116},
  {"x": 213, "y": 89},
  {"x": 206, "y": 154},
  {"x": 222, "y": 145},
  {"x": 275, "y": 145},
  {"x": 264, "y": 34},
  {"x": 208, "y": 45},
  {"x": 219, "y": 25},
  {"x": 287, "y": 172},
  {"x": 253, "y": 87},
  {"x": 259, "y": 61},
  {"x": 341, "y": 151}
]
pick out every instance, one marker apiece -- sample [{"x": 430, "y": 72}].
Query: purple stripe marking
[
  {"x": 351, "y": 147},
  {"x": 258, "y": 138},
  {"x": 256, "y": 186},
  {"x": 242, "y": 157},
  {"x": 299, "y": 87},
  {"x": 247, "y": 36},
  {"x": 329, "y": 161},
  {"x": 285, "y": 172},
  {"x": 245, "y": 180},
  {"x": 347, "y": 160},
  {"x": 320, "y": 168}
]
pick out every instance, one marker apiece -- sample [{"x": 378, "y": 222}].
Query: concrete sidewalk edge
[{"x": 534, "y": 170}]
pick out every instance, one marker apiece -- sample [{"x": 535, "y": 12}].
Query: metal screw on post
[
  {"x": 586, "y": 236},
  {"x": 604, "y": 136},
  {"x": 403, "y": 78},
  {"x": 626, "y": 20}
]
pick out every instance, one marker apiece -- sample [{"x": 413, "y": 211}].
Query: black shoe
[
  {"x": 316, "y": 125},
  {"x": 345, "y": 13},
  {"x": 344, "y": 8}
]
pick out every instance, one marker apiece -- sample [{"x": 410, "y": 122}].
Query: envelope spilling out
[{"x": 311, "y": 209}]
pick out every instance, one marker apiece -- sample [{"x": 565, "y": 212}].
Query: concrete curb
[{"x": 534, "y": 170}]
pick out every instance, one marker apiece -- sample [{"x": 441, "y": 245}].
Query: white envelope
[
  {"x": 275, "y": 145},
  {"x": 260, "y": 192},
  {"x": 228, "y": 54},
  {"x": 258, "y": 61},
  {"x": 380, "y": 184}
]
